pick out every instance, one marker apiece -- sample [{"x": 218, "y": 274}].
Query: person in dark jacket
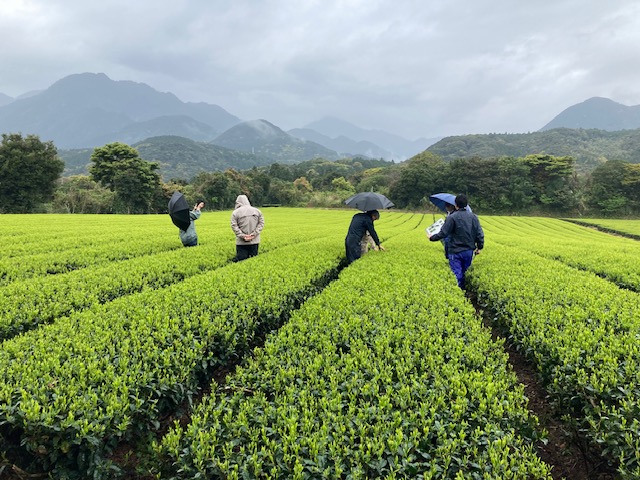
[
  {"x": 360, "y": 224},
  {"x": 465, "y": 238}
]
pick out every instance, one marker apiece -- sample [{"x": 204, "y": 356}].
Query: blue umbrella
[{"x": 441, "y": 200}]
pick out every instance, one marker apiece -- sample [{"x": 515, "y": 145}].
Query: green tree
[
  {"x": 284, "y": 193},
  {"x": 81, "y": 194},
  {"x": 283, "y": 172},
  {"x": 258, "y": 184},
  {"x": 554, "y": 180},
  {"x": 218, "y": 189},
  {"x": 421, "y": 176},
  {"x": 631, "y": 181},
  {"x": 608, "y": 193},
  {"x": 29, "y": 169},
  {"x": 493, "y": 184},
  {"x": 515, "y": 190},
  {"x": 375, "y": 179},
  {"x": 303, "y": 185},
  {"x": 135, "y": 181},
  {"x": 341, "y": 185}
]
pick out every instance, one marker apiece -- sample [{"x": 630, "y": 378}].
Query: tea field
[{"x": 125, "y": 355}]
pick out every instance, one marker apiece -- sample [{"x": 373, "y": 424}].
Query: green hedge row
[
  {"x": 33, "y": 234},
  {"x": 387, "y": 373},
  {"x": 583, "y": 248},
  {"x": 55, "y": 263},
  {"x": 25, "y": 305},
  {"x": 582, "y": 331},
  {"x": 627, "y": 228},
  {"x": 29, "y": 303},
  {"x": 72, "y": 390}
]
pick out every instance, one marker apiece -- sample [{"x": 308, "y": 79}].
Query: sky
[{"x": 414, "y": 68}]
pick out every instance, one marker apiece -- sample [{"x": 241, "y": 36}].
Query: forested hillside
[
  {"x": 178, "y": 157},
  {"x": 590, "y": 148}
]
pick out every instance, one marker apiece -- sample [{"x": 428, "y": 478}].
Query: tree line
[{"x": 120, "y": 181}]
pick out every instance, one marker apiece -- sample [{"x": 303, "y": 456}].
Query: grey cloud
[{"x": 413, "y": 68}]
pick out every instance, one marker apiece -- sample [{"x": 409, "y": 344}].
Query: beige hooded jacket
[{"x": 246, "y": 220}]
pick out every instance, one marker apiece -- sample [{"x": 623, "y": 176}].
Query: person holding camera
[{"x": 189, "y": 237}]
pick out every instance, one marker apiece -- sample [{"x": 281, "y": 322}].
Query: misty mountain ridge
[
  {"x": 399, "y": 147},
  {"x": 176, "y": 125},
  {"x": 589, "y": 147},
  {"x": 592, "y": 132},
  {"x": 5, "y": 99},
  {"x": 249, "y": 144},
  {"x": 83, "y": 111},
  {"x": 341, "y": 144},
  {"x": 80, "y": 110},
  {"x": 89, "y": 109},
  {"x": 262, "y": 138}
]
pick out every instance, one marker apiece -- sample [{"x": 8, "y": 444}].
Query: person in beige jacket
[{"x": 246, "y": 222}]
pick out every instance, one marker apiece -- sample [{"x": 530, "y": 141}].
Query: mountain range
[
  {"x": 83, "y": 111},
  {"x": 88, "y": 110}
]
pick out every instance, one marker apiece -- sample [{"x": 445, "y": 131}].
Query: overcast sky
[{"x": 416, "y": 68}]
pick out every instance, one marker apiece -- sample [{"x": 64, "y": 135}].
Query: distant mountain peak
[
  {"x": 97, "y": 89},
  {"x": 252, "y": 131},
  {"x": 598, "y": 113},
  {"x": 264, "y": 138},
  {"x": 263, "y": 128},
  {"x": 95, "y": 79}
]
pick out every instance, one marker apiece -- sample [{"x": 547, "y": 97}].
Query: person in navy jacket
[{"x": 465, "y": 238}]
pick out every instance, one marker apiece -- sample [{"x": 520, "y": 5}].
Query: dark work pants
[
  {"x": 459, "y": 264},
  {"x": 245, "y": 251}
]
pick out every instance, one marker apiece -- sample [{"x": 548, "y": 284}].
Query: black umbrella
[
  {"x": 366, "y": 201},
  {"x": 179, "y": 211}
]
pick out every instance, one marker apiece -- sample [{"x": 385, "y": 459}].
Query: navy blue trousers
[{"x": 460, "y": 263}]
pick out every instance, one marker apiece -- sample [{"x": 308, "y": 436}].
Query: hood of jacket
[{"x": 241, "y": 201}]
